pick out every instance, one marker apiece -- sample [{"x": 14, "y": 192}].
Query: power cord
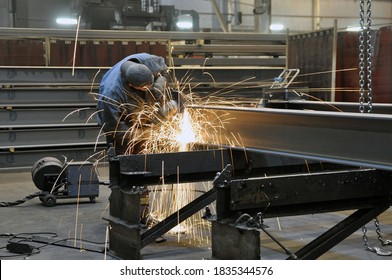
[
  {"x": 20, "y": 248},
  {"x": 20, "y": 201}
]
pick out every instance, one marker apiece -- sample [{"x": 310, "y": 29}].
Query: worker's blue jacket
[{"x": 117, "y": 101}]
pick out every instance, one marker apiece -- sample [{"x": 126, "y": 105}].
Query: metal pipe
[
  {"x": 316, "y": 15},
  {"x": 11, "y": 12},
  {"x": 219, "y": 16},
  {"x": 334, "y": 58}
]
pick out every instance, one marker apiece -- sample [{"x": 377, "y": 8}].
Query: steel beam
[
  {"x": 50, "y": 76},
  {"x": 200, "y": 165},
  {"x": 215, "y": 75},
  {"x": 39, "y": 138},
  {"x": 226, "y": 61},
  {"x": 47, "y": 117},
  {"x": 137, "y": 35},
  {"x": 345, "y": 138},
  {"x": 319, "y": 192},
  {"x": 44, "y": 96},
  {"x": 232, "y": 49},
  {"x": 25, "y": 159},
  {"x": 353, "y": 107},
  {"x": 180, "y": 167}
]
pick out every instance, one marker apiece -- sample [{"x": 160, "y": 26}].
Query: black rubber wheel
[{"x": 49, "y": 200}]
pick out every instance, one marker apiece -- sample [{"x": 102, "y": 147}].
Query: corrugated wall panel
[
  {"x": 312, "y": 53},
  {"x": 20, "y": 52},
  {"x": 348, "y": 58}
]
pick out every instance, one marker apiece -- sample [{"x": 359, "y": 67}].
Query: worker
[
  {"x": 129, "y": 87},
  {"x": 133, "y": 84}
]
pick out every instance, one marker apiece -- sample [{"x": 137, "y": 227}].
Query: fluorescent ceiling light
[
  {"x": 353, "y": 28},
  {"x": 184, "y": 25},
  {"x": 67, "y": 21},
  {"x": 185, "y": 22},
  {"x": 276, "y": 27}
]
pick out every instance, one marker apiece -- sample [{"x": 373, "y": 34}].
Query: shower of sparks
[
  {"x": 175, "y": 135},
  {"x": 186, "y": 134}
]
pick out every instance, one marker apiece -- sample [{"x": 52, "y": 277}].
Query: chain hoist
[
  {"x": 362, "y": 57},
  {"x": 365, "y": 51}
]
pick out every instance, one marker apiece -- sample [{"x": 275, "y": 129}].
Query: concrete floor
[{"x": 32, "y": 219}]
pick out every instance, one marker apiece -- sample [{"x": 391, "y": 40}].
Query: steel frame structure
[
  {"x": 290, "y": 190},
  {"x": 277, "y": 142}
]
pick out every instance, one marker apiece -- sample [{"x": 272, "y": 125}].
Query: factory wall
[
  {"x": 304, "y": 15},
  {"x": 297, "y": 16},
  {"x": 313, "y": 53},
  {"x": 36, "y": 13}
]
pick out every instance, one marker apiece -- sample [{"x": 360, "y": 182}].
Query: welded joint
[{"x": 223, "y": 178}]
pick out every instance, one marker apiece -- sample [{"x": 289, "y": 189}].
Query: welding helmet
[{"x": 136, "y": 74}]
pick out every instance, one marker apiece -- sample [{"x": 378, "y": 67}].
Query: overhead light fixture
[
  {"x": 66, "y": 21},
  {"x": 184, "y": 22},
  {"x": 353, "y": 28},
  {"x": 276, "y": 27}
]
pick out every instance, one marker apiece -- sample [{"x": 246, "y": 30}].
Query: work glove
[
  {"x": 158, "y": 88},
  {"x": 168, "y": 110},
  {"x": 160, "y": 84}
]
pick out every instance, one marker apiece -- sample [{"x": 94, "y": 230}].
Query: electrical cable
[
  {"x": 20, "y": 201},
  {"x": 18, "y": 248},
  {"x": 27, "y": 250}
]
